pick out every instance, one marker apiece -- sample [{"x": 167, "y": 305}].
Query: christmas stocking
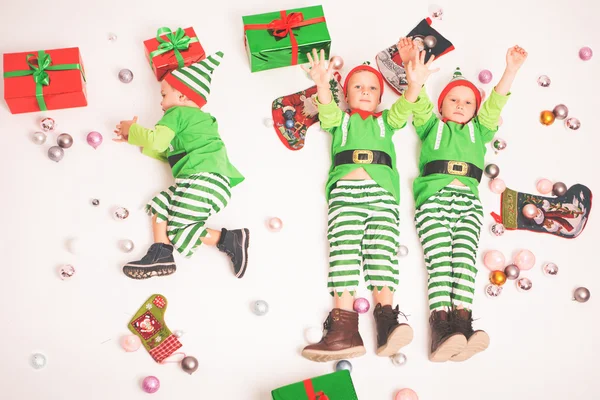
[
  {"x": 295, "y": 113},
  {"x": 392, "y": 67},
  {"x": 149, "y": 324},
  {"x": 564, "y": 216}
]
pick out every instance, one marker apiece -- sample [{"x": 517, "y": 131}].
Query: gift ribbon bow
[
  {"x": 40, "y": 76},
  {"x": 310, "y": 391},
  {"x": 176, "y": 42},
  {"x": 283, "y": 27}
]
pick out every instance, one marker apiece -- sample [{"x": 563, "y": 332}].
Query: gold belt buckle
[
  {"x": 357, "y": 159},
  {"x": 457, "y": 168}
]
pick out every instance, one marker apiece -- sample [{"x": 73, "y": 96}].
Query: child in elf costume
[
  {"x": 448, "y": 213},
  {"x": 188, "y": 139},
  {"x": 363, "y": 194}
]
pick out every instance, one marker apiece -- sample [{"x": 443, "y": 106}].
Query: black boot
[
  {"x": 158, "y": 261},
  {"x": 445, "y": 340},
  {"x": 391, "y": 335},
  {"x": 477, "y": 341},
  {"x": 235, "y": 244}
]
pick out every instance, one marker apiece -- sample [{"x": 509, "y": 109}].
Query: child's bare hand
[
  {"x": 408, "y": 50},
  {"x": 418, "y": 71},
  {"x": 320, "y": 74},
  {"x": 515, "y": 57},
  {"x": 122, "y": 130}
]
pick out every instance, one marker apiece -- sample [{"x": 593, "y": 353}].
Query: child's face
[
  {"x": 170, "y": 96},
  {"x": 363, "y": 91},
  {"x": 459, "y": 105}
]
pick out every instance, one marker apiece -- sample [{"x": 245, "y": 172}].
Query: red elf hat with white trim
[
  {"x": 364, "y": 67},
  {"x": 459, "y": 80}
]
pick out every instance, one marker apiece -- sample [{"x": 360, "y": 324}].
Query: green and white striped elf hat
[{"x": 194, "y": 81}]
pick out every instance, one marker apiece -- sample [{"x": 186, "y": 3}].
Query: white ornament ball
[
  {"x": 178, "y": 333},
  {"x": 399, "y": 359},
  {"x": 38, "y": 361},
  {"x": 126, "y": 245},
  {"x": 260, "y": 307},
  {"x": 268, "y": 122},
  {"x": 313, "y": 335},
  {"x": 402, "y": 251}
]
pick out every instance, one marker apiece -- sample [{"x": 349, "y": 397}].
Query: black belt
[
  {"x": 362, "y": 157},
  {"x": 174, "y": 159},
  {"x": 458, "y": 168}
]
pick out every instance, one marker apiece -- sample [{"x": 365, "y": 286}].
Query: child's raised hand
[
  {"x": 408, "y": 50},
  {"x": 418, "y": 71},
  {"x": 122, "y": 130},
  {"x": 318, "y": 72},
  {"x": 515, "y": 57}
]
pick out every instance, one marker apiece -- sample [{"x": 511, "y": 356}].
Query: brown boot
[
  {"x": 445, "y": 342},
  {"x": 391, "y": 335},
  {"x": 340, "y": 338},
  {"x": 477, "y": 341}
]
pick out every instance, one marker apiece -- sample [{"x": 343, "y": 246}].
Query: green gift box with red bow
[
  {"x": 282, "y": 38},
  {"x": 335, "y": 386},
  {"x": 170, "y": 50},
  {"x": 44, "y": 80}
]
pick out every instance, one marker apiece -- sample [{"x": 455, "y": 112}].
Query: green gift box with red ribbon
[
  {"x": 335, "y": 386},
  {"x": 282, "y": 38},
  {"x": 170, "y": 50},
  {"x": 44, "y": 80}
]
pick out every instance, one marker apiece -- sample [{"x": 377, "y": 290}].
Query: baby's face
[
  {"x": 459, "y": 105},
  {"x": 363, "y": 91},
  {"x": 170, "y": 96}
]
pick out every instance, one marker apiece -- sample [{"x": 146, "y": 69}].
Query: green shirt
[
  {"x": 352, "y": 132},
  {"x": 452, "y": 142},
  {"x": 189, "y": 131}
]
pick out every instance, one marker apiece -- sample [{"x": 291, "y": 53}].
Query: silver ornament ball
[
  {"x": 512, "y": 272},
  {"x": 260, "y": 308},
  {"x": 343, "y": 365},
  {"x": 524, "y": 285},
  {"x": 337, "y": 62},
  {"x": 95, "y": 202},
  {"x": 497, "y": 229},
  {"x": 402, "y": 251},
  {"x": 121, "y": 213},
  {"x": 560, "y": 111},
  {"x": 112, "y": 37},
  {"x": 581, "y": 295},
  {"x": 430, "y": 41},
  {"x": 399, "y": 359},
  {"x": 66, "y": 271},
  {"x": 544, "y": 81},
  {"x": 64, "y": 140},
  {"x": 126, "y": 245},
  {"x": 559, "y": 189},
  {"x": 492, "y": 290},
  {"x": 492, "y": 171},
  {"x": 38, "y": 361},
  {"x": 189, "y": 364},
  {"x": 572, "y": 123},
  {"x": 125, "y": 75},
  {"x": 499, "y": 145},
  {"x": 39, "y": 138},
  {"x": 48, "y": 124},
  {"x": 550, "y": 269},
  {"x": 55, "y": 153}
]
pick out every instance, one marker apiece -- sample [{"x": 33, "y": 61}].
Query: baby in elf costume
[
  {"x": 448, "y": 213},
  {"x": 188, "y": 139},
  {"x": 363, "y": 191}
]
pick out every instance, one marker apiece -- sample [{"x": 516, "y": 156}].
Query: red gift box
[
  {"x": 171, "y": 50},
  {"x": 44, "y": 80}
]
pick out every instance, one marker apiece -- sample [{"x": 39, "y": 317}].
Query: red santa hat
[
  {"x": 459, "y": 80},
  {"x": 364, "y": 67}
]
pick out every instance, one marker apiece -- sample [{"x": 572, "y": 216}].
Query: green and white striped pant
[
  {"x": 363, "y": 229},
  {"x": 187, "y": 205},
  {"x": 448, "y": 224}
]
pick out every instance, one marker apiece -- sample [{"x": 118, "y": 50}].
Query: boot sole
[
  {"x": 477, "y": 343},
  {"x": 453, "y": 345},
  {"x": 400, "y": 337},
  {"x": 139, "y": 273},
  {"x": 324, "y": 356},
  {"x": 246, "y": 244}
]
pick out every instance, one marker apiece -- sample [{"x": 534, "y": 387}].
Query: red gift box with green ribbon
[
  {"x": 282, "y": 38},
  {"x": 335, "y": 386},
  {"x": 44, "y": 80},
  {"x": 170, "y": 50}
]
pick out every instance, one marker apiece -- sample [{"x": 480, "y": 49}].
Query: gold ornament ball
[
  {"x": 547, "y": 117},
  {"x": 498, "y": 278}
]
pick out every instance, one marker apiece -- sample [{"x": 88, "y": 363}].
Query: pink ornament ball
[
  {"x": 497, "y": 186},
  {"x": 585, "y": 53},
  {"x": 494, "y": 260},
  {"x": 361, "y": 305},
  {"x": 485, "y": 76},
  {"x": 544, "y": 186},
  {"x": 406, "y": 394},
  {"x": 150, "y": 384},
  {"x": 275, "y": 224},
  {"x": 525, "y": 260},
  {"x": 530, "y": 211},
  {"x": 131, "y": 343},
  {"x": 94, "y": 139}
]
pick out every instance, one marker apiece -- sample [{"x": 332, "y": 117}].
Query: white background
[{"x": 542, "y": 344}]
